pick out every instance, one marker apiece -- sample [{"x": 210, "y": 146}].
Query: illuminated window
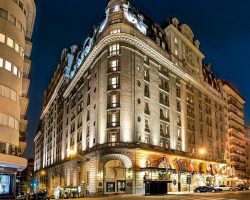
[
  {"x": 7, "y": 65},
  {"x": 176, "y": 52},
  {"x": 114, "y": 49},
  {"x": 113, "y": 65},
  {"x": 113, "y": 119},
  {"x": 1, "y": 62},
  {"x": 2, "y": 38},
  {"x": 175, "y": 40},
  {"x": 113, "y": 137},
  {"x": 17, "y": 47},
  {"x": 114, "y": 31},
  {"x": 10, "y": 42},
  {"x": 116, "y": 8},
  {"x": 179, "y": 133},
  {"x": 113, "y": 82},
  {"x": 15, "y": 70}
]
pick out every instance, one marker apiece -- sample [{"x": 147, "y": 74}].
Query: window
[
  {"x": 113, "y": 100},
  {"x": 113, "y": 119},
  {"x": 1, "y": 62},
  {"x": 176, "y": 52},
  {"x": 178, "y": 120},
  {"x": 3, "y": 14},
  {"x": 163, "y": 45},
  {"x": 113, "y": 65},
  {"x": 113, "y": 82},
  {"x": 10, "y": 42},
  {"x": 12, "y": 19},
  {"x": 116, "y": 8},
  {"x": 147, "y": 139},
  {"x": 146, "y": 90},
  {"x": 114, "y": 31},
  {"x": 19, "y": 25},
  {"x": 146, "y": 74},
  {"x": 7, "y": 65},
  {"x": 15, "y": 70},
  {"x": 2, "y": 38},
  {"x": 146, "y": 109},
  {"x": 147, "y": 125},
  {"x": 114, "y": 49},
  {"x": 175, "y": 40},
  {"x": 17, "y": 47}
]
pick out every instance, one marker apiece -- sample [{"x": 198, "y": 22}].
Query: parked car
[
  {"x": 42, "y": 196},
  {"x": 241, "y": 187},
  {"x": 21, "y": 196},
  {"x": 224, "y": 187},
  {"x": 206, "y": 189}
]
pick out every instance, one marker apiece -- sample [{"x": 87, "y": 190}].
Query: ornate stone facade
[{"x": 134, "y": 92}]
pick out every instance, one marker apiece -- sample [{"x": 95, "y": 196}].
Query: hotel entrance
[{"x": 114, "y": 177}]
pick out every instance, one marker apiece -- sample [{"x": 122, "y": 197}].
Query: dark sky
[{"x": 223, "y": 28}]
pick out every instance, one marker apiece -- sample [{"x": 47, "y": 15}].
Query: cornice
[
  {"x": 144, "y": 47},
  {"x": 52, "y": 97}
]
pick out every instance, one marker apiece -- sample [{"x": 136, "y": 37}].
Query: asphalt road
[{"x": 239, "y": 195}]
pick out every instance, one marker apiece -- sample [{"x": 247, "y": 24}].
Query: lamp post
[
  {"x": 43, "y": 179},
  {"x": 202, "y": 151}
]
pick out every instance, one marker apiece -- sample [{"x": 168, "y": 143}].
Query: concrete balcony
[
  {"x": 10, "y": 161},
  {"x": 26, "y": 66},
  {"x": 25, "y": 85},
  {"x": 23, "y": 125},
  {"x": 28, "y": 46},
  {"x": 24, "y": 102}
]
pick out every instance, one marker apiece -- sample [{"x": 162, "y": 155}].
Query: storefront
[{"x": 186, "y": 174}]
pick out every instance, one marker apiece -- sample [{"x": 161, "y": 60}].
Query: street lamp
[
  {"x": 202, "y": 151},
  {"x": 43, "y": 179}
]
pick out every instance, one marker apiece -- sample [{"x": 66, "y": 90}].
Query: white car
[{"x": 224, "y": 187}]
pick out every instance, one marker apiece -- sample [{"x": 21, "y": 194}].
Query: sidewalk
[{"x": 130, "y": 196}]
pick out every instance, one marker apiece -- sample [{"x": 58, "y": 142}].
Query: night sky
[{"x": 223, "y": 28}]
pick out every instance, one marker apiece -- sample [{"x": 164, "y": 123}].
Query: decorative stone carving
[
  {"x": 187, "y": 32},
  {"x": 175, "y": 22},
  {"x": 197, "y": 44}
]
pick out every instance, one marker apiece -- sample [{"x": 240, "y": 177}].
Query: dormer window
[{"x": 116, "y": 8}]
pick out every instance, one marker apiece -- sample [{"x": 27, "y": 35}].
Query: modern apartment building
[
  {"x": 236, "y": 138},
  {"x": 247, "y": 132},
  {"x": 16, "y": 26},
  {"x": 135, "y": 102}
]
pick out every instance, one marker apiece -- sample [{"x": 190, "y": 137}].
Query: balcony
[
  {"x": 23, "y": 124},
  {"x": 24, "y": 105},
  {"x": 25, "y": 85},
  {"x": 12, "y": 161},
  {"x": 237, "y": 144}
]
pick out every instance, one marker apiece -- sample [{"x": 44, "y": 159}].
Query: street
[{"x": 241, "y": 195}]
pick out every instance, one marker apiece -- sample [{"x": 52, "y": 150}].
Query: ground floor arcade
[{"x": 123, "y": 170}]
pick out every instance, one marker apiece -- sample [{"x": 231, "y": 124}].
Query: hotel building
[
  {"x": 16, "y": 26},
  {"x": 135, "y": 102}
]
